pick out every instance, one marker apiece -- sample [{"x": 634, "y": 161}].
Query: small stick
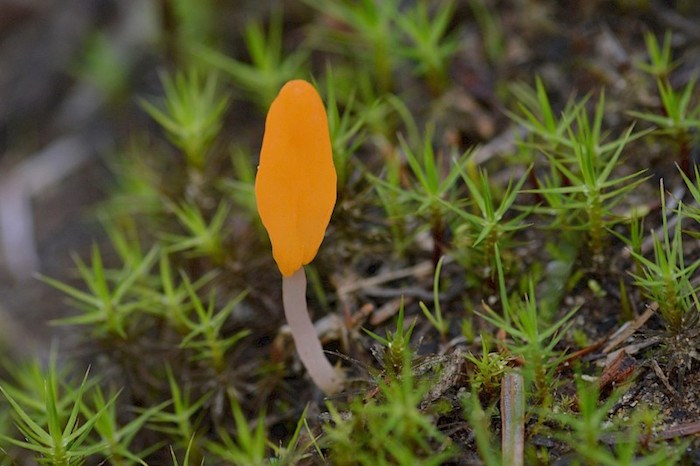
[
  {"x": 513, "y": 418},
  {"x": 682, "y": 430},
  {"x": 660, "y": 374},
  {"x": 630, "y": 328}
]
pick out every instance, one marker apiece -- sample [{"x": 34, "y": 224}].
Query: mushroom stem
[{"x": 324, "y": 375}]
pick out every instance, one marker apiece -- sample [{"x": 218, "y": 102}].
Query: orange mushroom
[
  {"x": 295, "y": 190},
  {"x": 295, "y": 187}
]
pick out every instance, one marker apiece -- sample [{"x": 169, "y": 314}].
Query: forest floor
[{"x": 72, "y": 78}]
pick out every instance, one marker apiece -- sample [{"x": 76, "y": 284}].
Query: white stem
[{"x": 304, "y": 333}]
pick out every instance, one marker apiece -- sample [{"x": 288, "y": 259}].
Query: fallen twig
[
  {"x": 629, "y": 328},
  {"x": 513, "y": 418}
]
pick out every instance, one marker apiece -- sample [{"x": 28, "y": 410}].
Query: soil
[{"x": 576, "y": 47}]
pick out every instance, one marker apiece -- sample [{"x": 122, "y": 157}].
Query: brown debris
[{"x": 617, "y": 372}]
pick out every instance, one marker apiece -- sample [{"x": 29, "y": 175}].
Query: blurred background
[
  {"x": 69, "y": 71},
  {"x": 71, "y": 75}
]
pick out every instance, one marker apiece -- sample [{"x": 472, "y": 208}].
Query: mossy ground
[{"x": 386, "y": 236}]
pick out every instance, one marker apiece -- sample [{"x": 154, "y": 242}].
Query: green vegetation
[{"x": 523, "y": 262}]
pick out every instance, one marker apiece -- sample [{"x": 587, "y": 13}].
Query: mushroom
[{"x": 295, "y": 191}]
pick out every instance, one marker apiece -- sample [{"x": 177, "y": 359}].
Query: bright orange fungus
[{"x": 295, "y": 187}]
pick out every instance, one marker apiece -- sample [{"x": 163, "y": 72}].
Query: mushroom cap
[{"x": 295, "y": 187}]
